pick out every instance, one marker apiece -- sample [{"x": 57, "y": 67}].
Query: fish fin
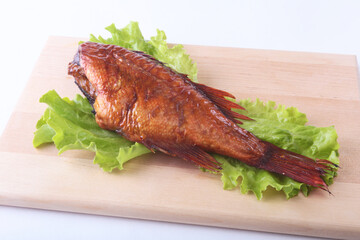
[
  {"x": 214, "y": 92},
  {"x": 295, "y": 166},
  {"x": 218, "y": 97},
  {"x": 186, "y": 152}
]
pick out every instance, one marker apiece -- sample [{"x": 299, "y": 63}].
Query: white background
[{"x": 315, "y": 26}]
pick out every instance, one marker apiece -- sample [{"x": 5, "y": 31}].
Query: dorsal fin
[{"x": 218, "y": 97}]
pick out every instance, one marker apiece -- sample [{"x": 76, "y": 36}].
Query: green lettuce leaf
[{"x": 71, "y": 125}]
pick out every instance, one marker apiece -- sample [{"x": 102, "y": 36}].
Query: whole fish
[{"x": 145, "y": 101}]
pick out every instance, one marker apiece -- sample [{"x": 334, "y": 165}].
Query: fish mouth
[
  {"x": 86, "y": 94},
  {"x": 77, "y": 71},
  {"x": 76, "y": 58}
]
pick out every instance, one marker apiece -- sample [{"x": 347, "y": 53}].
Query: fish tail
[{"x": 295, "y": 166}]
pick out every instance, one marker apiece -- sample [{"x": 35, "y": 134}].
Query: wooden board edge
[{"x": 325, "y": 231}]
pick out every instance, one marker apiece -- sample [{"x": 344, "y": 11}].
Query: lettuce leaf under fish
[{"x": 70, "y": 124}]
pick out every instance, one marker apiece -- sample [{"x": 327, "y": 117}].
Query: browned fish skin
[{"x": 147, "y": 102}]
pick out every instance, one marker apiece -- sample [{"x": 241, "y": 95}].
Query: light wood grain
[{"x": 159, "y": 187}]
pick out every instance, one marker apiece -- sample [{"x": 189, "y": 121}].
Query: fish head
[
  {"x": 97, "y": 68},
  {"x": 76, "y": 70}
]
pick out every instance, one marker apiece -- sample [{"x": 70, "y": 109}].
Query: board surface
[{"x": 158, "y": 187}]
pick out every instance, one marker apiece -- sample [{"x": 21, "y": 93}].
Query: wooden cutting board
[{"x": 157, "y": 187}]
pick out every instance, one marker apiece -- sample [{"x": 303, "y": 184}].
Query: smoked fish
[{"x": 146, "y": 101}]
